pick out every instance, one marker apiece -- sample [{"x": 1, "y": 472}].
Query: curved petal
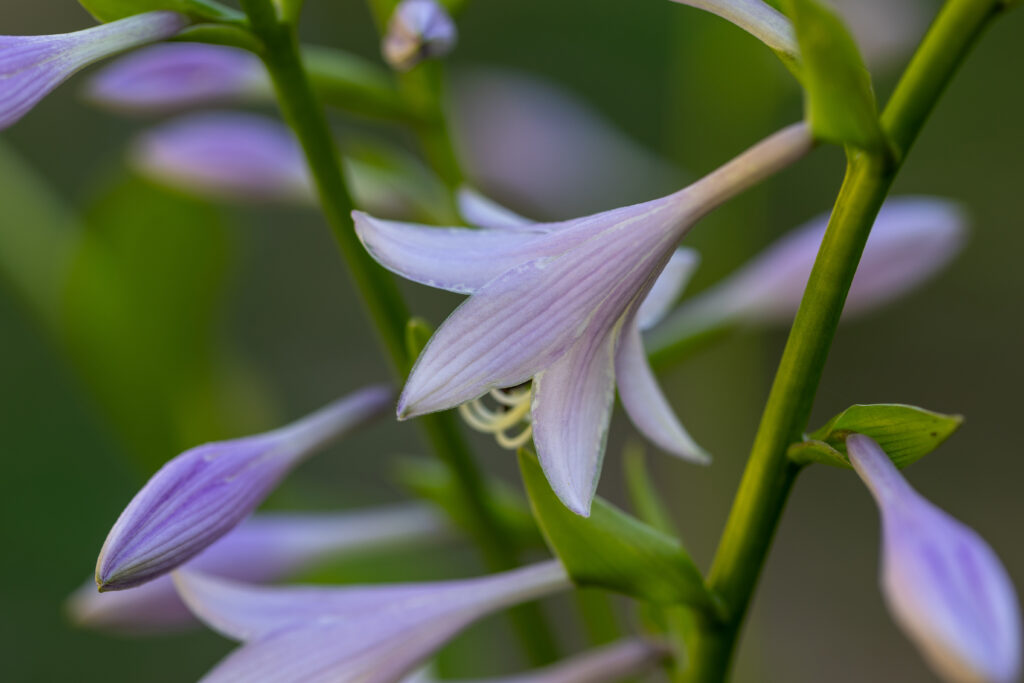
[
  {"x": 646, "y": 405},
  {"x": 456, "y": 259},
  {"x": 667, "y": 288},
  {"x": 483, "y": 212},
  {"x": 572, "y": 406}
]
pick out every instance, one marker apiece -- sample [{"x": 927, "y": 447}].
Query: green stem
[
  {"x": 383, "y": 299},
  {"x": 769, "y": 475}
]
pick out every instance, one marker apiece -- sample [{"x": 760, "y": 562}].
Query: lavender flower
[
  {"x": 32, "y": 66},
  {"x": 942, "y": 582},
  {"x": 615, "y": 662},
  {"x": 202, "y": 494},
  {"x": 371, "y": 634},
  {"x": 757, "y": 18},
  {"x": 912, "y": 239},
  {"x": 263, "y": 548},
  {"x": 179, "y": 76},
  {"x": 559, "y": 304},
  {"x": 417, "y": 30}
]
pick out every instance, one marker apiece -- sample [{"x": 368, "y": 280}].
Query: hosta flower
[
  {"x": 609, "y": 664},
  {"x": 372, "y": 634},
  {"x": 941, "y": 580},
  {"x": 202, "y": 494},
  {"x": 179, "y": 75},
  {"x": 913, "y": 238},
  {"x": 263, "y": 548},
  {"x": 417, "y": 30},
  {"x": 561, "y": 304},
  {"x": 32, "y": 66}
]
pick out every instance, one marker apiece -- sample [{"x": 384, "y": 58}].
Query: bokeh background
[{"x": 259, "y": 295}]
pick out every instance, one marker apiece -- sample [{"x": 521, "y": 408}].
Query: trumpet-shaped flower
[
  {"x": 417, "y": 30},
  {"x": 263, "y": 548},
  {"x": 202, "y": 494},
  {"x": 178, "y": 76},
  {"x": 370, "y": 634},
  {"x": 32, "y": 66},
  {"x": 913, "y": 238},
  {"x": 943, "y": 583},
  {"x": 561, "y": 304}
]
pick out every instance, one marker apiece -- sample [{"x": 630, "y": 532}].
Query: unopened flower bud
[{"x": 418, "y": 30}]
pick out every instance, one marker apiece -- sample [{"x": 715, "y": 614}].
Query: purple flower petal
[
  {"x": 226, "y": 155},
  {"x": 178, "y": 76},
  {"x": 418, "y": 30},
  {"x": 373, "y": 634},
  {"x": 32, "y": 66},
  {"x": 646, "y": 406},
  {"x": 478, "y": 210},
  {"x": 667, "y": 288},
  {"x": 943, "y": 583},
  {"x": 202, "y": 494},
  {"x": 262, "y": 548}
]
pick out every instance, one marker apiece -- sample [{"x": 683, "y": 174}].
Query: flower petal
[
  {"x": 262, "y": 548},
  {"x": 646, "y": 405},
  {"x": 483, "y": 212},
  {"x": 757, "y": 18},
  {"x": 372, "y": 634},
  {"x": 202, "y": 494},
  {"x": 608, "y": 664},
  {"x": 667, "y": 288}
]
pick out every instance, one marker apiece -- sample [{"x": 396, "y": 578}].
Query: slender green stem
[
  {"x": 382, "y": 297},
  {"x": 769, "y": 475}
]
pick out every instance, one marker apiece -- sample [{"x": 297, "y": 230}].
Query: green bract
[
  {"x": 840, "y": 101},
  {"x": 906, "y": 433},
  {"x": 204, "y": 10},
  {"x": 612, "y": 549}
]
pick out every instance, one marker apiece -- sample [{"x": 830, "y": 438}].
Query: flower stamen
[{"x": 513, "y": 409}]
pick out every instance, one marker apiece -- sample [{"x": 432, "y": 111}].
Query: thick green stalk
[
  {"x": 769, "y": 474},
  {"x": 382, "y": 297}
]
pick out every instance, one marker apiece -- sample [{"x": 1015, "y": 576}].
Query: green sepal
[
  {"x": 200, "y": 10},
  {"x": 905, "y": 433},
  {"x": 432, "y": 481},
  {"x": 612, "y": 549},
  {"x": 839, "y": 98}
]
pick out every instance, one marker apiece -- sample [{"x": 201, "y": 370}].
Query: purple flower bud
[
  {"x": 226, "y": 155},
  {"x": 32, "y": 66},
  {"x": 178, "y": 76},
  {"x": 263, "y": 548},
  {"x": 372, "y": 634},
  {"x": 943, "y": 583},
  {"x": 417, "y": 30},
  {"x": 202, "y": 494}
]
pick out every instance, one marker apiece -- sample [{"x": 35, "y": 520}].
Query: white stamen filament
[{"x": 513, "y": 409}]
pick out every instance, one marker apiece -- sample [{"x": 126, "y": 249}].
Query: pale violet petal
[
  {"x": 33, "y": 66},
  {"x": 417, "y": 30},
  {"x": 483, "y": 212},
  {"x": 667, "y": 288},
  {"x": 646, "y": 405},
  {"x": 529, "y": 316},
  {"x": 262, "y": 548},
  {"x": 202, "y": 494},
  {"x": 757, "y": 18},
  {"x": 572, "y": 407},
  {"x": 177, "y": 76},
  {"x": 373, "y": 634},
  {"x": 942, "y": 582},
  {"x": 608, "y": 664}
]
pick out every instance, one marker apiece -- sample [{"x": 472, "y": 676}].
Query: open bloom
[
  {"x": 561, "y": 304},
  {"x": 417, "y": 30},
  {"x": 263, "y": 548},
  {"x": 179, "y": 75},
  {"x": 32, "y": 66},
  {"x": 372, "y": 634},
  {"x": 202, "y": 494},
  {"x": 943, "y": 583}
]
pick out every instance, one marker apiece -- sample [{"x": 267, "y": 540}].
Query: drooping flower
[
  {"x": 263, "y": 548},
  {"x": 608, "y": 664},
  {"x": 202, "y": 494},
  {"x": 757, "y": 18},
  {"x": 942, "y": 582},
  {"x": 32, "y": 66},
  {"x": 560, "y": 304},
  {"x": 913, "y": 238},
  {"x": 372, "y": 634},
  {"x": 417, "y": 30},
  {"x": 178, "y": 76}
]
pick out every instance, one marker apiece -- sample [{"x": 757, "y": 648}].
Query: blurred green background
[{"x": 257, "y": 298}]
